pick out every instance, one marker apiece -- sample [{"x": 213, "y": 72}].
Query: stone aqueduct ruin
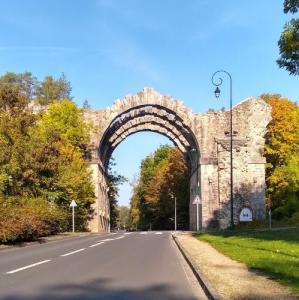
[{"x": 205, "y": 133}]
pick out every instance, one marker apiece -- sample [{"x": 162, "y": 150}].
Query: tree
[
  {"x": 114, "y": 180},
  {"x": 162, "y": 175},
  {"x": 282, "y": 151},
  {"x": 291, "y": 6},
  {"x": 124, "y": 217},
  {"x": 25, "y": 83},
  {"x": 86, "y": 104},
  {"x": 289, "y": 41},
  {"x": 42, "y": 165},
  {"x": 52, "y": 89},
  {"x": 16, "y": 119},
  {"x": 57, "y": 152}
]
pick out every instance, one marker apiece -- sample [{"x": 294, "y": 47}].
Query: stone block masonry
[{"x": 202, "y": 136}]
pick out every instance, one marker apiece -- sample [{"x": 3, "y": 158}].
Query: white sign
[
  {"x": 196, "y": 200},
  {"x": 246, "y": 215},
  {"x": 73, "y": 204}
]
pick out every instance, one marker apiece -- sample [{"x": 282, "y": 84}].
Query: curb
[{"x": 207, "y": 288}]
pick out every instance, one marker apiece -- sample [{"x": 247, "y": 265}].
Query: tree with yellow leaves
[{"x": 282, "y": 154}]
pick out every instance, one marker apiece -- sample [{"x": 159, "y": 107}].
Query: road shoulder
[
  {"x": 225, "y": 278},
  {"x": 47, "y": 239}
]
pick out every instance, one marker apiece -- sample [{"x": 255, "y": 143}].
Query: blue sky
[{"x": 111, "y": 48}]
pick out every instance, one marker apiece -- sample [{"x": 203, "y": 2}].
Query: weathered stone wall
[{"x": 206, "y": 133}]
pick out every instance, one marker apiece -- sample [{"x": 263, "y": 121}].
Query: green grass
[{"x": 274, "y": 252}]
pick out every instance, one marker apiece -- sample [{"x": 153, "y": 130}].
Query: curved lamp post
[{"x": 217, "y": 92}]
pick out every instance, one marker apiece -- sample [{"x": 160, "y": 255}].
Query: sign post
[
  {"x": 73, "y": 205},
  {"x": 175, "y": 221},
  {"x": 197, "y": 202}
]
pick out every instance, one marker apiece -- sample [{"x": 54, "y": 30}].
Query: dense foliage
[
  {"x": 163, "y": 175},
  {"x": 289, "y": 40},
  {"x": 42, "y": 166},
  {"x": 282, "y": 154},
  {"x": 114, "y": 180}
]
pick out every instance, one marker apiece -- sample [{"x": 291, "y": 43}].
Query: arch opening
[{"x": 161, "y": 120}]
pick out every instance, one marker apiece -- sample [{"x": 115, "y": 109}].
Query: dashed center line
[
  {"x": 120, "y": 237},
  {"x": 143, "y": 232},
  {"x": 29, "y": 266},
  {"x": 106, "y": 240},
  {"x": 158, "y": 232},
  {"x": 73, "y": 252},
  {"x": 97, "y": 244}
]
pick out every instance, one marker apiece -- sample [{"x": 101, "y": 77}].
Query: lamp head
[{"x": 217, "y": 92}]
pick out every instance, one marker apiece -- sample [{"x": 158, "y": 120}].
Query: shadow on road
[{"x": 99, "y": 289}]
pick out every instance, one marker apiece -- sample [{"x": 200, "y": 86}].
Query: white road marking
[
  {"x": 29, "y": 266},
  {"x": 113, "y": 233},
  {"x": 159, "y": 232},
  {"x": 97, "y": 244},
  {"x": 143, "y": 232},
  {"x": 106, "y": 240},
  {"x": 120, "y": 237},
  {"x": 128, "y": 233},
  {"x": 73, "y": 252}
]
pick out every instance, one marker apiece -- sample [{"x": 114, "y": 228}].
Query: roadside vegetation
[
  {"x": 42, "y": 166},
  {"x": 282, "y": 155},
  {"x": 163, "y": 174},
  {"x": 275, "y": 252}
]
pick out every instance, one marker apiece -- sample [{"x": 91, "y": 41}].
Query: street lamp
[{"x": 217, "y": 95}]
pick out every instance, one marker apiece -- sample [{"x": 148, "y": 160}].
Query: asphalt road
[{"x": 141, "y": 265}]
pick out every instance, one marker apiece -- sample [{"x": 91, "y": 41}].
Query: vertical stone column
[{"x": 93, "y": 224}]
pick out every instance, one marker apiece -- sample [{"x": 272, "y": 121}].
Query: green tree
[
  {"x": 162, "y": 175},
  {"x": 25, "y": 83},
  {"x": 51, "y": 89},
  {"x": 289, "y": 41},
  {"x": 16, "y": 120},
  {"x": 86, "y": 104},
  {"x": 57, "y": 152},
  {"x": 114, "y": 180},
  {"x": 124, "y": 217}
]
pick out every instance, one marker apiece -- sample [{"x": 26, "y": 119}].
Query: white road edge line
[
  {"x": 97, "y": 244},
  {"x": 120, "y": 237},
  {"x": 73, "y": 252},
  {"x": 29, "y": 266}
]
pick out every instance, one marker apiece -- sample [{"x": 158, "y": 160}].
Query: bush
[
  {"x": 287, "y": 210},
  {"x": 29, "y": 218}
]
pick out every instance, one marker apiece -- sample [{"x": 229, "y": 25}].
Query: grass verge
[{"x": 275, "y": 252}]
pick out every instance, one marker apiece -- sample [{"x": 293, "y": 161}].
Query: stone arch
[
  {"x": 155, "y": 118},
  {"x": 150, "y": 111}
]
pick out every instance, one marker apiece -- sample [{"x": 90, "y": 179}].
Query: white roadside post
[
  {"x": 197, "y": 202},
  {"x": 175, "y": 220},
  {"x": 73, "y": 205}
]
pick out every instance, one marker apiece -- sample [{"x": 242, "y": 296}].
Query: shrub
[{"x": 29, "y": 218}]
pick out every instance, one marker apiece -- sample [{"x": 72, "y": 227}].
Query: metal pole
[
  {"x": 217, "y": 93},
  {"x": 73, "y": 211},
  {"x": 231, "y": 156},
  {"x": 197, "y": 217},
  {"x": 175, "y": 221}
]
